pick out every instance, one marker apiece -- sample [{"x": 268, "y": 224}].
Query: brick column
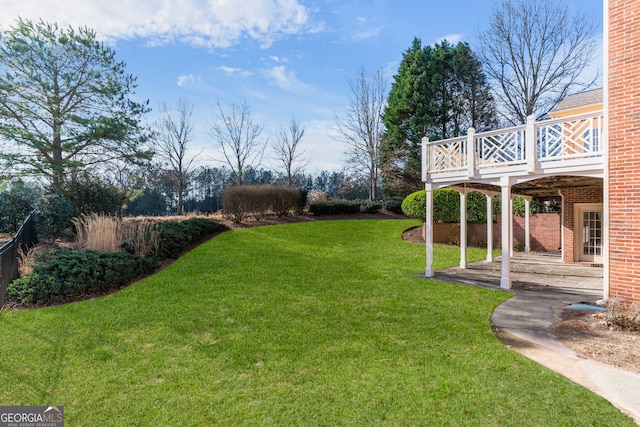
[{"x": 623, "y": 38}]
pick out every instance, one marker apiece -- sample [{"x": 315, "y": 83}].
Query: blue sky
[{"x": 287, "y": 58}]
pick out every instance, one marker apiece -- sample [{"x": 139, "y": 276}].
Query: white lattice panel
[
  {"x": 449, "y": 157},
  {"x": 500, "y": 149}
]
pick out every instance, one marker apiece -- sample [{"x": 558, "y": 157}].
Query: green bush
[
  {"x": 54, "y": 217},
  {"x": 476, "y": 208},
  {"x": 335, "y": 207},
  {"x": 302, "y": 201},
  {"x": 446, "y": 206},
  {"x": 368, "y": 206},
  {"x": 393, "y": 204},
  {"x": 176, "y": 236},
  {"x": 415, "y": 205},
  {"x": 15, "y": 206},
  {"x": 62, "y": 275},
  {"x": 89, "y": 194}
]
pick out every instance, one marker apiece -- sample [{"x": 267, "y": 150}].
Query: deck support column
[
  {"x": 463, "y": 228},
  {"x": 507, "y": 212},
  {"x": 428, "y": 225},
  {"x": 489, "y": 228},
  {"x": 527, "y": 233},
  {"x": 511, "y": 249}
]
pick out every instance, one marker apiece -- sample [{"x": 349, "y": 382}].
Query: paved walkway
[{"x": 544, "y": 287}]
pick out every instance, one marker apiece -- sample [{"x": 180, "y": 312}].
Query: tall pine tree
[{"x": 439, "y": 92}]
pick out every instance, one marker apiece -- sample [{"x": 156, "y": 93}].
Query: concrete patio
[
  {"x": 543, "y": 287},
  {"x": 532, "y": 272}
]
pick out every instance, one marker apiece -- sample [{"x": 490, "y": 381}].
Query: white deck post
[
  {"x": 530, "y": 144},
  {"x": 463, "y": 228},
  {"x": 489, "y": 228},
  {"x": 527, "y": 233},
  {"x": 428, "y": 225},
  {"x": 425, "y": 158},
  {"x": 505, "y": 184},
  {"x": 471, "y": 153},
  {"x": 511, "y": 226}
]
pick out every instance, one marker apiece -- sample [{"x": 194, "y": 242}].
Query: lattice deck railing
[{"x": 533, "y": 147}]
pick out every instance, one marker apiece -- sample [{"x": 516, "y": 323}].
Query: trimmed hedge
[
  {"x": 176, "y": 236},
  {"x": 61, "y": 275},
  {"x": 345, "y": 207},
  {"x": 335, "y": 207},
  {"x": 446, "y": 206},
  {"x": 393, "y": 204},
  {"x": 242, "y": 201}
]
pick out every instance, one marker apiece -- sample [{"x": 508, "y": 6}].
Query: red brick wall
[
  {"x": 544, "y": 228},
  {"x": 571, "y": 196},
  {"x": 624, "y": 148}
]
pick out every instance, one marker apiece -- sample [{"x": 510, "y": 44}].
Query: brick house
[{"x": 588, "y": 154}]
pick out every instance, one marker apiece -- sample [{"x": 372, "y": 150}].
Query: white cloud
[
  {"x": 231, "y": 71},
  {"x": 451, "y": 38},
  {"x": 278, "y": 59},
  {"x": 283, "y": 78},
  {"x": 186, "y": 80},
  {"x": 213, "y": 23},
  {"x": 363, "y": 35}
]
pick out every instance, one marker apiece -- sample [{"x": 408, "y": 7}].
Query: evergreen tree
[
  {"x": 439, "y": 92},
  {"x": 64, "y": 103}
]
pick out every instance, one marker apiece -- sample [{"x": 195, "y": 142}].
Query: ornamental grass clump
[
  {"x": 97, "y": 232},
  {"x": 140, "y": 238}
]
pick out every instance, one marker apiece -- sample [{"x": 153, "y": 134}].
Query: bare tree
[
  {"x": 287, "y": 150},
  {"x": 175, "y": 133},
  {"x": 239, "y": 139},
  {"x": 362, "y": 127},
  {"x": 535, "y": 52}
]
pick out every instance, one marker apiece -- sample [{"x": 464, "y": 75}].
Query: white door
[{"x": 589, "y": 233}]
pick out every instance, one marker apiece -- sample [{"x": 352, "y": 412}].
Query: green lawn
[{"x": 318, "y": 323}]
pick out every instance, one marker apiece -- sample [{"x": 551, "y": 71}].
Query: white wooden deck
[
  {"x": 494, "y": 162},
  {"x": 566, "y": 146}
]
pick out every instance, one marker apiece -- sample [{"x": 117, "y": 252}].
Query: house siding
[{"x": 624, "y": 148}]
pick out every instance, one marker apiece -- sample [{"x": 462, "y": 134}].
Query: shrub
[
  {"x": 258, "y": 197},
  {"x": 446, "y": 206},
  {"x": 61, "y": 275},
  {"x": 174, "y": 237},
  {"x": 301, "y": 203},
  {"x": 54, "y": 217},
  {"x": 284, "y": 199},
  {"x": 622, "y": 315},
  {"x": 139, "y": 238},
  {"x": 476, "y": 208},
  {"x": 89, "y": 194},
  {"x": 236, "y": 203},
  {"x": 316, "y": 196},
  {"x": 242, "y": 201},
  {"x": 335, "y": 207},
  {"x": 368, "y": 206},
  {"x": 393, "y": 204},
  {"x": 415, "y": 205},
  {"x": 15, "y": 206}
]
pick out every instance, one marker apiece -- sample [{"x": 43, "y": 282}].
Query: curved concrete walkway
[{"x": 543, "y": 288}]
